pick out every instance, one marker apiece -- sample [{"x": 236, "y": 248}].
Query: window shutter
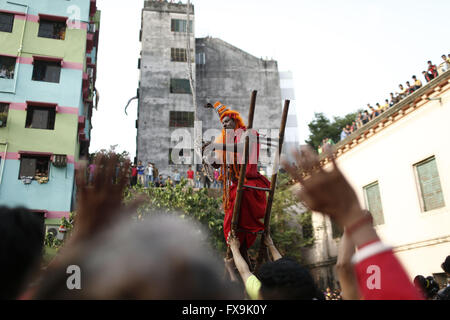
[
  {"x": 27, "y": 167},
  {"x": 40, "y": 119},
  {"x": 45, "y": 29},
  {"x": 6, "y": 22},
  {"x": 53, "y": 73},
  {"x": 373, "y": 198},
  {"x": 430, "y": 185},
  {"x": 180, "y": 86}
]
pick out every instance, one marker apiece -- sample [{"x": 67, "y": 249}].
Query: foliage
[
  {"x": 124, "y": 156},
  {"x": 51, "y": 241},
  {"x": 321, "y": 127},
  {"x": 290, "y": 231},
  {"x": 286, "y": 224}
]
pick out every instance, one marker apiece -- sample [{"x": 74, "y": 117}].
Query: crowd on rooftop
[{"x": 410, "y": 87}]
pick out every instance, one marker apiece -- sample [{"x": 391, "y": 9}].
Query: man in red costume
[{"x": 228, "y": 155}]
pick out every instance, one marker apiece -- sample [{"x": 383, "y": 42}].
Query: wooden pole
[
  {"x": 273, "y": 185},
  {"x": 243, "y": 170}
]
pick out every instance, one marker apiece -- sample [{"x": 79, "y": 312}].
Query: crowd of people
[
  {"x": 430, "y": 287},
  {"x": 165, "y": 257},
  {"x": 371, "y": 112},
  {"x": 149, "y": 175}
]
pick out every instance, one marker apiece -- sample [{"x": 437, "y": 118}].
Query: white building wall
[{"x": 421, "y": 239}]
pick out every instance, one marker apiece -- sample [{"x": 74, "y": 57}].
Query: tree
[
  {"x": 124, "y": 156},
  {"x": 321, "y": 127}
]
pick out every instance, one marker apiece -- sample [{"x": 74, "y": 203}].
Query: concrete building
[
  {"x": 48, "y": 49},
  {"x": 165, "y": 99},
  {"x": 221, "y": 71},
  {"x": 398, "y": 165}
]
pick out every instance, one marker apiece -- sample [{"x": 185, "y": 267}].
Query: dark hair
[
  {"x": 446, "y": 265},
  {"x": 286, "y": 279},
  {"x": 163, "y": 257},
  {"x": 21, "y": 243},
  {"x": 414, "y": 77},
  {"x": 428, "y": 286}
]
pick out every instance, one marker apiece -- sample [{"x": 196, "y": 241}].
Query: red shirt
[
  {"x": 190, "y": 174},
  {"x": 134, "y": 172},
  {"x": 381, "y": 276}
]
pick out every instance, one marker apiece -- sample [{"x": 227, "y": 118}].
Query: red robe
[{"x": 253, "y": 203}]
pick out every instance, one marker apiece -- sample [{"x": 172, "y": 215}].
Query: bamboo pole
[
  {"x": 262, "y": 248},
  {"x": 243, "y": 170}
]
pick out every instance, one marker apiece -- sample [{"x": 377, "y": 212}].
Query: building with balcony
[{"x": 48, "y": 53}]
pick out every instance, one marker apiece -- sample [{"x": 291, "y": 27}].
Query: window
[
  {"x": 179, "y": 55},
  {"x": 179, "y": 25},
  {"x": 180, "y": 86},
  {"x": 6, "y": 22},
  {"x": 34, "y": 167},
  {"x": 92, "y": 27},
  {"x": 181, "y": 119},
  {"x": 336, "y": 231},
  {"x": 47, "y": 71},
  {"x": 200, "y": 58},
  {"x": 7, "y": 67},
  {"x": 430, "y": 184},
  {"x": 373, "y": 202},
  {"x": 3, "y": 114},
  {"x": 307, "y": 225},
  {"x": 52, "y": 29},
  {"x": 40, "y": 118}
]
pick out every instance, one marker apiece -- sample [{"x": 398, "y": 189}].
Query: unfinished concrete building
[{"x": 221, "y": 71}]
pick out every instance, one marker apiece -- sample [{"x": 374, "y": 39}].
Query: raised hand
[
  {"x": 323, "y": 191},
  {"x": 100, "y": 203}
]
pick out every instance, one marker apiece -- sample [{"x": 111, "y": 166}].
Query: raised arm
[
  {"x": 345, "y": 270},
  {"x": 273, "y": 250},
  {"x": 379, "y": 273},
  {"x": 239, "y": 261}
]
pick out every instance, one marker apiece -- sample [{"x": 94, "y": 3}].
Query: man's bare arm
[
  {"x": 239, "y": 261},
  {"x": 345, "y": 270},
  {"x": 273, "y": 250}
]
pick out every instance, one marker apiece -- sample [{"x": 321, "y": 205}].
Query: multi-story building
[
  {"x": 221, "y": 72},
  {"x": 48, "y": 53},
  {"x": 165, "y": 93},
  {"x": 398, "y": 166}
]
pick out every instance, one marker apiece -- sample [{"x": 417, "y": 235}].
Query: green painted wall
[
  {"x": 72, "y": 49},
  {"x": 62, "y": 140}
]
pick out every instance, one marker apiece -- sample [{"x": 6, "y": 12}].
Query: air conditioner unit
[
  {"x": 60, "y": 160},
  {"x": 52, "y": 229}
]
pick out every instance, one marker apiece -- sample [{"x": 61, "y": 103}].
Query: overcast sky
[{"x": 343, "y": 53}]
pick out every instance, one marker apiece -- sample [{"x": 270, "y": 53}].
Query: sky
[{"x": 343, "y": 53}]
